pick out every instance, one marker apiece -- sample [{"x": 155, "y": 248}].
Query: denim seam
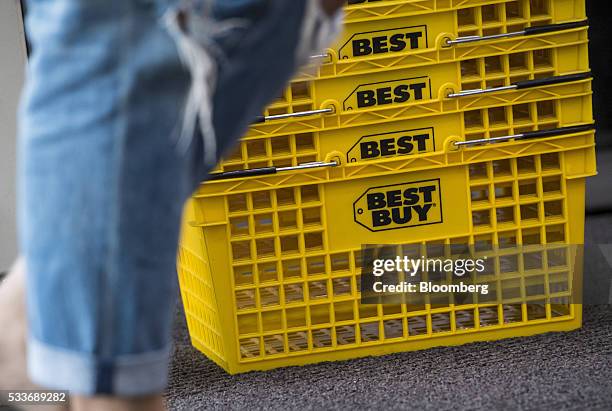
[{"x": 111, "y": 274}]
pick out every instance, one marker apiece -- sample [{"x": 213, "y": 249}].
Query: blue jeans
[{"x": 102, "y": 185}]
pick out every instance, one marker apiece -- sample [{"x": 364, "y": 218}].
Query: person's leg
[
  {"x": 102, "y": 185},
  {"x": 13, "y": 325},
  {"x": 101, "y": 194},
  {"x": 114, "y": 403}
]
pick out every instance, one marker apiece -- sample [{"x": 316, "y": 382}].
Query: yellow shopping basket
[
  {"x": 270, "y": 266},
  {"x": 404, "y": 30}
]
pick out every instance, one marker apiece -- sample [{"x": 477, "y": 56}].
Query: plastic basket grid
[
  {"x": 471, "y": 14},
  {"x": 526, "y": 196},
  {"x": 199, "y": 297},
  {"x": 490, "y": 19}
]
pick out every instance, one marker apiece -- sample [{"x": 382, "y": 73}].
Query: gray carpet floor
[{"x": 570, "y": 371}]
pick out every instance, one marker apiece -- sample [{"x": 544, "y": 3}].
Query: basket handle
[
  {"x": 262, "y": 119},
  {"x": 552, "y": 80},
  {"x": 519, "y": 85},
  {"x": 530, "y": 134},
  {"x": 529, "y": 31},
  {"x": 253, "y": 172}
]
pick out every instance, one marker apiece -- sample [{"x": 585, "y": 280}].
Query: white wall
[{"x": 12, "y": 61}]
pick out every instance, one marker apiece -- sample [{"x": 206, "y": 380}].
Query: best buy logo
[
  {"x": 388, "y": 92},
  {"x": 399, "y": 206},
  {"x": 396, "y": 143},
  {"x": 384, "y": 41}
]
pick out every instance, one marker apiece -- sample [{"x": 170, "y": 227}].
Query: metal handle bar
[
  {"x": 529, "y": 31},
  {"x": 524, "y": 84},
  {"x": 530, "y": 134},
  {"x": 269, "y": 170},
  {"x": 261, "y": 119}
]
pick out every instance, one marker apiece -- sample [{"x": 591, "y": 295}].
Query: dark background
[
  {"x": 601, "y": 64},
  {"x": 599, "y": 188}
]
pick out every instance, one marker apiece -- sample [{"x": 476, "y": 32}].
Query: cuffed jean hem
[{"x": 81, "y": 374}]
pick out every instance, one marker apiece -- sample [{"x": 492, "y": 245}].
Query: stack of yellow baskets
[{"x": 486, "y": 103}]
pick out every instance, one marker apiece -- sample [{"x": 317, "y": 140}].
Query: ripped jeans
[{"x": 102, "y": 183}]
